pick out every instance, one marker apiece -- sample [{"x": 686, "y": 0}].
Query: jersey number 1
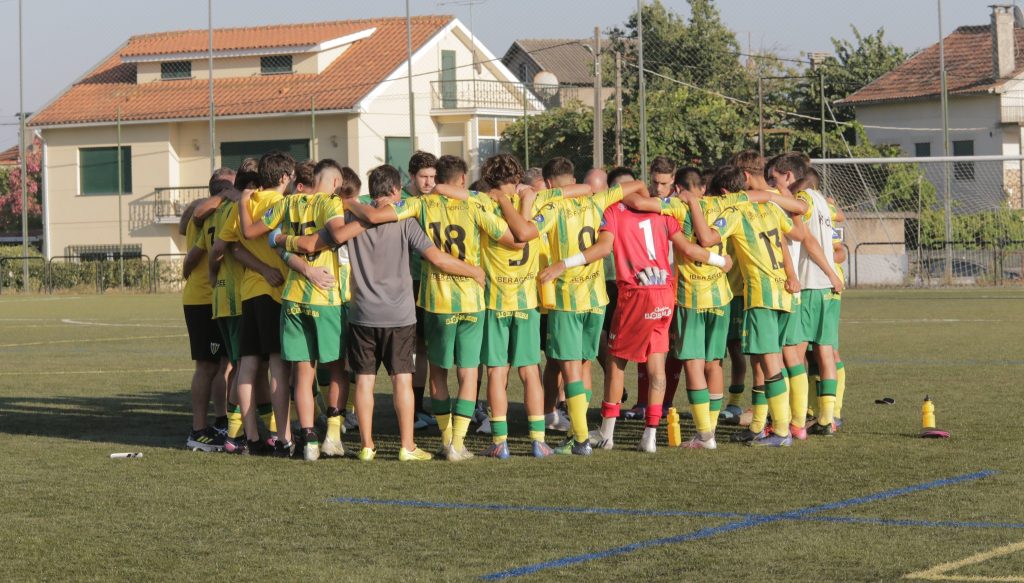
[{"x": 645, "y": 226}]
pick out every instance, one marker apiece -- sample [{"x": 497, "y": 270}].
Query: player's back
[
  {"x": 756, "y": 232},
  {"x": 227, "y": 293},
  {"x": 641, "y": 241},
  {"x": 305, "y": 215}
]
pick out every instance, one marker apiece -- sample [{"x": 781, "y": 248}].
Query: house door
[{"x": 397, "y": 152}]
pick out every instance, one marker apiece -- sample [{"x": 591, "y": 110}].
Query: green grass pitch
[{"x": 83, "y": 377}]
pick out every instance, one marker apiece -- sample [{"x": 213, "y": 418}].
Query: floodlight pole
[
  {"x": 944, "y": 101},
  {"x": 412, "y": 102},
  {"x": 598, "y": 103},
  {"x": 618, "y": 108},
  {"x": 120, "y": 204},
  {"x": 643, "y": 90},
  {"x": 526, "y": 130},
  {"x": 209, "y": 74},
  {"x": 21, "y": 146}
]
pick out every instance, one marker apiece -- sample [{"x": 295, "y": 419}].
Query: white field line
[
  {"x": 77, "y": 372},
  {"x": 939, "y": 572},
  {"x": 55, "y": 299},
  {"x": 90, "y": 340},
  {"x": 107, "y": 324}
]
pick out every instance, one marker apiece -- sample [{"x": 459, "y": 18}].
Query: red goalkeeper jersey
[{"x": 641, "y": 241}]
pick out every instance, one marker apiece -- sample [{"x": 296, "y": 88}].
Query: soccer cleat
[
  {"x": 600, "y": 441},
  {"x": 311, "y": 451},
  {"x": 204, "y": 440},
  {"x": 798, "y": 432},
  {"x": 235, "y": 445},
  {"x": 573, "y": 447},
  {"x": 638, "y": 412},
  {"x": 541, "y": 449},
  {"x": 557, "y": 421},
  {"x": 772, "y": 441},
  {"x": 837, "y": 424},
  {"x": 416, "y": 455},
  {"x": 332, "y": 448},
  {"x": 351, "y": 421},
  {"x": 458, "y": 455},
  {"x": 485, "y": 426},
  {"x": 746, "y": 436},
  {"x": 259, "y": 448},
  {"x": 366, "y": 454},
  {"x": 423, "y": 421},
  {"x": 821, "y": 430},
  {"x": 283, "y": 449},
  {"x": 730, "y": 415},
  {"x": 698, "y": 443},
  {"x": 498, "y": 450},
  {"x": 648, "y": 443},
  {"x": 479, "y": 413}
]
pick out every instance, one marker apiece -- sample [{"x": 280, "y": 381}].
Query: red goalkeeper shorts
[{"x": 640, "y": 326}]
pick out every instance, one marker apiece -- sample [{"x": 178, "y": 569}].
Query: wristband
[
  {"x": 575, "y": 261},
  {"x": 716, "y": 260},
  {"x": 289, "y": 244},
  {"x": 285, "y": 255},
  {"x": 271, "y": 236}
]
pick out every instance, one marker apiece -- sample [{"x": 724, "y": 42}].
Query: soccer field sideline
[{"x": 57, "y": 430}]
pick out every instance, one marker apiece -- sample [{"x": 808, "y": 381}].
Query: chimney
[{"x": 1003, "y": 49}]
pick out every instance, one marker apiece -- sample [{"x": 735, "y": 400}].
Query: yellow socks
[
  {"x": 760, "y": 402},
  {"x": 234, "y": 421},
  {"x": 798, "y": 394},
  {"x": 778, "y": 402},
  {"x": 577, "y": 403},
  {"x": 334, "y": 427},
  {"x": 840, "y": 389},
  {"x": 735, "y": 396},
  {"x": 460, "y": 422},
  {"x": 499, "y": 429},
  {"x": 266, "y": 413},
  {"x": 826, "y": 401},
  {"x": 716, "y": 410},
  {"x": 442, "y": 410},
  {"x": 700, "y": 407},
  {"x": 536, "y": 424}
]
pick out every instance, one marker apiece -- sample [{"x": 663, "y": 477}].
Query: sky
[{"x": 63, "y": 39}]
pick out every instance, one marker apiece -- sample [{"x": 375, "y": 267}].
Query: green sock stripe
[
  {"x": 698, "y": 397},
  {"x": 840, "y": 365},
  {"x": 575, "y": 389},
  {"x": 716, "y": 404},
  {"x": 590, "y": 395},
  {"x": 758, "y": 397},
  {"x": 775, "y": 388},
  {"x": 736, "y": 389},
  {"x": 796, "y": 370},
  {"x": 827, "y": 387},
  {"x": 499, "y": 427},
  {"x": 785, "y": 373},
  {"x": 464, "y": 408},
  {"x": 234, "y": 409},
  {"x": 536, "y": 424},
  {"x": 264, "y": 408},
  {"x": 440, "y": 406}
]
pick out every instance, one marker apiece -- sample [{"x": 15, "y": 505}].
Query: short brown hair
[
  {"x": 663, "y": 165},
  {"x": 748, "y": 161},
  {"x": 421, "y": 160},
  {"x": 449, "y": 168},
  {"x": 247, "y": 176},
  {"x": 501, "y": 169},
  {"x": 794, "y": 162},
  {"x": 727, "y": 179},
  {"x": 351, "y": 184},
  {"x": 384, "y": 180},
  {"x": 273, "y": 167},
  {"x": 689, "y": 178},
  {"x": 558, "y": 166},
  {"x": 305, "y": 173}
]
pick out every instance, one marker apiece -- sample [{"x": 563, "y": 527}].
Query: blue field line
[
  {"x": 552, "y": 509},
  {"x": 734, "y": 526}
]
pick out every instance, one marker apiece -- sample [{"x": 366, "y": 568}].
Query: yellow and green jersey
[
  {"x": 456, "y": 227},
  {"x": 756, "y": 232},
  {"x": 254, "y": 284},
  {"x": 723, "y": 202},
  {"x": 305, "y": 215},
  {"x": 227, "y": 294},
  {"x": 197, "y": 286},
  {"x": 571, "y": 226},
  {"x": 512, "y": 273},
  {"x": 701, "y": 286},
  {"x": 837, "y": 239}
]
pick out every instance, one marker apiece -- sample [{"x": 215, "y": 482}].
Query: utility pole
[
  {"x": 598, "y": 103},
  {"x": 412, "y": 102},
  {"x": 526, "y": 130},
  {"x": 213, "y": 123},
  {"x": 21, "y": 146},
  {"x": 120, "y": 203},
  {"x": 944, "y": 103},
  {"x": 643, "y": 90},
  {"x": 760, "y": 114},
  {"x": 618, "y": 108}
]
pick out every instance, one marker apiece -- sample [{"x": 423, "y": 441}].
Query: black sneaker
[
  {"x": 283, "y": 449},
  {"x": 821, "y": 430},
  {"x": 205, "y": 439},
  {"x": 236, "y": 446},
  {"x": 259, "y": 448},
  {"x": 746, "y": 436}
]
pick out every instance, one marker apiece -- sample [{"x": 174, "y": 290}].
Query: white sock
[{"x": 608, "y": 427}]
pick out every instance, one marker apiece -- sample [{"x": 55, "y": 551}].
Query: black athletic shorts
[
  {"x": 203, "y": 333},
  {"x": 613, "y": 300},
  {"x": 544, "y": 333},
  {"x": 368, "y": 348},
  {"x": 260, "y": 329}
]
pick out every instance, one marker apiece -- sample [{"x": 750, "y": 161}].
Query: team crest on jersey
[
  {"x": 399, "y": 204},
  {"x": 720, "y": 222},
  {"x": 538, "y": 219},
  {"x": 267, "y": 215},
  {"x": 214, "y": 347}
]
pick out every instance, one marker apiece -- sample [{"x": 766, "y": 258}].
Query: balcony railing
[
  {"x": 169, "y": 202},
  {"x": 1012, "y": 108},
  {"x": 470, "y": 94}
]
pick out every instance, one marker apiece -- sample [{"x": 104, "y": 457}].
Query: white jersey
[{"x": 819, "y": 226}]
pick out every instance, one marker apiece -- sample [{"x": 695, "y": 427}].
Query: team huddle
[{"x": 294, "y": 281}]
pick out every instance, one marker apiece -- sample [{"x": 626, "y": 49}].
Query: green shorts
[
  {"x": 736, "y": 319},
  {"x": 310, "y": 333},
  {"x": 794, "y": 332},
  {"x": 229, "y": 326},
  {"x": 820, "y": 316},
  {"x": 511, "y": 338},
  {"x": 454, "y": 339},
  {"x": 764, "y": 330},
  {"x": 700, "y": 334},
  {"x": 574, "y": 335}
]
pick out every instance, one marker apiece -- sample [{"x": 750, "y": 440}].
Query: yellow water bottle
[
  {"x": 547, "y": 294},
  {"x": 928, "y": 413},
  {"x": 675, "y": 435}
]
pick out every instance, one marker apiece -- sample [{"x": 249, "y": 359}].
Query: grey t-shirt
[{"x": 381, "y": 283}]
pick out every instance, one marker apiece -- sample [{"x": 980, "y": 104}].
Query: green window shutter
[
  {"x": 98, "y": 170},
  {"x": 232, "y": 153},
  {"x": 449, "y": 88}
]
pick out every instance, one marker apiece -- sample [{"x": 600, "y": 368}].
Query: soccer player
[
  {"x": 204, "y": 336},
  {"x": 576, "y": 297},
  {"x": 616, "y": 177},
  {"x": 422, "y": 178},
  {"x": 260, "y": 329},
  {"x": 312, "y": 322},
  {"x": 382, "y": 314},
  {"x": 453, "y": 306}
]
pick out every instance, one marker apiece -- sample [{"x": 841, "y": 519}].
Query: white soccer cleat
[
  {"x": 557, "y": 421},
  {"x": 698, "y": 443},
  {"x": 457, "y": 455},
  {"x": 599, "y": 441},
  {"x": 311, "y": 452},
  {"x": 648, "y": 443},
  {"x": 332, "y": 448}
]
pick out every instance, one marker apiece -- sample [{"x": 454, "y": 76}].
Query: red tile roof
[
  {"x": 9, "y": 157},
  {"x": 968, "y": 52},
  {"x": 95, "y": 98}
]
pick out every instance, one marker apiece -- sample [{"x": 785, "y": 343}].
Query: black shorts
[
  {"x": 613, "y": 300},
  {"x": 260, "y": 329},
  {"x": 368, "y": 348},
  {"x": 203, "y": 333}
]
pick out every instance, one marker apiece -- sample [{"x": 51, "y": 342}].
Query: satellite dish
[
  {"x": 545, "y": 83},
  {"x": 1018, "y": 17}
]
